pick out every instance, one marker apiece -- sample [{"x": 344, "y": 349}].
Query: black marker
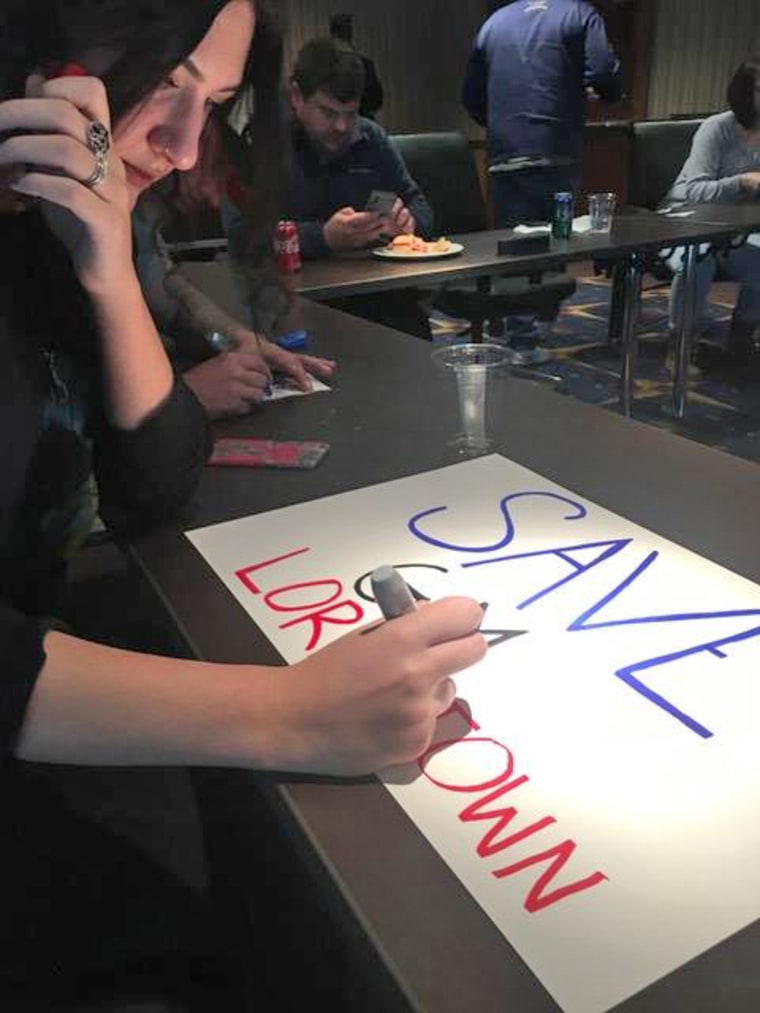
[{"x": 391, "y": 592}]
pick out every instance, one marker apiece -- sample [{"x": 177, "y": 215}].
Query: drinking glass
[
  {"x": 471, "y": 365},
  {"x": 601, "y": 208}
]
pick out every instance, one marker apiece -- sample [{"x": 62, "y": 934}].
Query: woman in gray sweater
[{"x": 724, "y": 167}]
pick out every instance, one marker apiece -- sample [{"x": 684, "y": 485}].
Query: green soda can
[{"x": 562, "y": 219}]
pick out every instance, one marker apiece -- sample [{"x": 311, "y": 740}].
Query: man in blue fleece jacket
[{"x": 527, "y": 80}]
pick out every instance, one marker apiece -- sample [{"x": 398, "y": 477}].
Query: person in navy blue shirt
[
  {"x": 340, "y": 157},
  {"x": 527, "y": 80}
]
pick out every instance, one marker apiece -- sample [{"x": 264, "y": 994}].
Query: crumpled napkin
[{"x": 580, "y": 225}]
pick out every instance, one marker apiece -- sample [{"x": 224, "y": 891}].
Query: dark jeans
[{"x": 528, "y": 194}]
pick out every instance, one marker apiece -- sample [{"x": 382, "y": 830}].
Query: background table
[
  {"x": 634, "y": 236},
  {"x": 413, "y": 936},
  {"x": 361, "y": 273}
]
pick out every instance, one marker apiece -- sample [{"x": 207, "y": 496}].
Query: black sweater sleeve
[
  {"x": 145, "y": 475},
  {"x": 23, "y": 656}
]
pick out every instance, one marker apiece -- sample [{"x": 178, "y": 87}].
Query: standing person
[
  {"x": 723, "y": 166},
  {"x": 526, "y": 82},
  {"x": 107, "y": 100},
  {"x": 342, "y": 27}
]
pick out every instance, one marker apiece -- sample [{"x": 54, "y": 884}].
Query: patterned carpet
[{"x": 722, "y": 412}]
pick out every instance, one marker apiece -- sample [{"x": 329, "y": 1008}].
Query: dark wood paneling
[
  {"x": 420, "y": 49},
  {"x": 606, "y": 155}
]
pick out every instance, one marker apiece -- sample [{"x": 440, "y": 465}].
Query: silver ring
[
  {"x": 99, "y": 172},
  {"x": 97, "y": 137}
]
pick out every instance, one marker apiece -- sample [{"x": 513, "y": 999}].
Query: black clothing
[
  {"x": 54, "y": 433},
  {"x": 77, "y": 901},
  {"x": 372, "y": 96}
]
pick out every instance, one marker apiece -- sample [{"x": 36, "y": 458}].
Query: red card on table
[{"x": 247, "y": 452}]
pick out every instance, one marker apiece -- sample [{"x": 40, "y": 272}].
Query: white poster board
[{"x": 601, "y": 802}]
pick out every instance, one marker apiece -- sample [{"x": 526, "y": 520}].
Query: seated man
[
  {"x": 724, "y": 167},
  {"x": 338, "y": 158}
]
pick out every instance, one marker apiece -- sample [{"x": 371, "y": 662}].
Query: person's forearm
[
  {"x": 98, "y": 705},
  {"x": 726, "y": 190},
  {"x": 358, "y": 704},
  {"x": 197, "y": 314},
  {"x": 137, "y": 375}
]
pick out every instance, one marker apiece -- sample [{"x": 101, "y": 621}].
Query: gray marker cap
[{"x": 391, "y": 592}]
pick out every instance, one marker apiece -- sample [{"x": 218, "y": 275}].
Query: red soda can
[{"x": 287, "y": 248}]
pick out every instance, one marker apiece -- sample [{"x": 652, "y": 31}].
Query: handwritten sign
[{"x": 599, "y": 795}]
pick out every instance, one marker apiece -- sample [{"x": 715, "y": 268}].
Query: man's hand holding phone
[
  {"x": 400, "y": 220},
  {"x": 382, "y": 202},
  {"x": 348, "y": 229},
  {"x": 397, "y": 217}
]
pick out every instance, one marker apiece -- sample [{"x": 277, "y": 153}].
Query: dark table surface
[
  {"x": 630, "y": 233},
  {"x": 389, "y": 416},
  {"x": 359, "y": 273},
  {"x": 739, "y": 216}
]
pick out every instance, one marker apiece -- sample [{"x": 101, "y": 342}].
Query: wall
[
  {"x": 420, "y": 48},
  {"x": 697, "y": 44}
]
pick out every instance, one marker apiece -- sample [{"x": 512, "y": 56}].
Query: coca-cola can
[{"x": 287, "y": 248}]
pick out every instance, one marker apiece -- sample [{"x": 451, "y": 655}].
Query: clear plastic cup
[
  {"x": 601, "y": 209},
  {"x": 470, "y": 365}
]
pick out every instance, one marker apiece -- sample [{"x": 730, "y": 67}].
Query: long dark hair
[
  {"x": 140, "y": 42},
  {"x": 741, "y": 93},
  {"x": 143, "y": 41}
]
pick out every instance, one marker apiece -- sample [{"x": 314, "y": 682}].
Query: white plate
[{"x": 386, "y": 253}]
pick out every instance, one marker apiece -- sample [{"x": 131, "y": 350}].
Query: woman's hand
[
  {"x": 51, "y": 159},
  {"x": 371, "y": 699},
  {"x": 295, "y": 366},
  {"x": 367, "y": 701},
  {"x": 228, "y": 384}
]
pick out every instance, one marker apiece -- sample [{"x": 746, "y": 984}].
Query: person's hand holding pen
[
  {"x": 229, "y": 383},
  {"x": 297, "y": 367},
  {"x": 371, "y": 699},
  {"x": 240, "y": 375}
]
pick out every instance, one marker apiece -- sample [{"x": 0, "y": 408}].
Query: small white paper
[
  {"x": 581, "y": 224},
  {"x": 284, "y": 389}
]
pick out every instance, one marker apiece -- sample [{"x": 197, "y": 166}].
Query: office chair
[{"x": 444, "y": 167}]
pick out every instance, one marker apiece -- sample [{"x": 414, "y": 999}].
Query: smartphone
[
  {"x": 381, "y": 202},
  {"x": 249, "y": 452}
]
